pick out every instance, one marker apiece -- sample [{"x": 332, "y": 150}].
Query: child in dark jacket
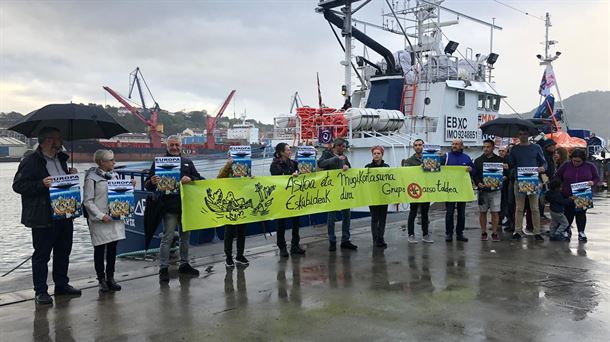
[{"x": 558, "y": 202}]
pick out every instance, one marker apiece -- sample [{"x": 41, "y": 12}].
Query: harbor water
[{"x": 16, "y": 244}]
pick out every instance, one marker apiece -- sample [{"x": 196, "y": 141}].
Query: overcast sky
[{"x": 192, "y": 53}]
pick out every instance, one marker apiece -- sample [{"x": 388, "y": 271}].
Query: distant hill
[
  {"x": 589, "y": 110},
  {"x": 173, "y": 122}
]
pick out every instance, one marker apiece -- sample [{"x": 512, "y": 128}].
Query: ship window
[
  {"x": 489, "y": 102},
  {"x": 497, "y": 100},
  {"x": 481, "y": 102},
  {"x": 461, "y": 98}
]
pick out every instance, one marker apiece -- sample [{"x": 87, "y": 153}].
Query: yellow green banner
[{"x": 216, "y": 202}]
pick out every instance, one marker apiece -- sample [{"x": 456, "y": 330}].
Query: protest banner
[{"x": 213, "y": 203}]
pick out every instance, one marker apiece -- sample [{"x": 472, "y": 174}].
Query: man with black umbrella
[
  {"x": 32, "y": 181},
  {"x": 171, "y": 205},
  {"x": 526, "y": 154}
]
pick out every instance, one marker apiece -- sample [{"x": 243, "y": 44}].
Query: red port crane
[
  {"x": 212, "y": 121},
  {"x": 154, "y": 129}
]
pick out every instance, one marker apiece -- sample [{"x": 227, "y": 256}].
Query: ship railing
[{"x": 438, "y": 69}]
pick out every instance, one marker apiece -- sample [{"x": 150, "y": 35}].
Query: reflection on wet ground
[{"x": 518, "y": 291}]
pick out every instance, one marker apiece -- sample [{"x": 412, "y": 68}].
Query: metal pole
[
  {"x": 547, "y": 24},
  {"x": 491, "y": 39},
  {"x": 347, "y": 33}
]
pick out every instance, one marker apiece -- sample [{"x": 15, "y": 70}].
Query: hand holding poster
[
  {"x": 120, "y": 198},
  {"x": 431, "y": 160},
  {"x": 242, "y": 164},
  {"x": 493, "y": 174},
  {"x": 583, "y": 196},
  {"x": 527, "y": 180},
  {"x": 216, "y": 202},
  {"x": 306, "y": 159},
  {"x": 65, "y": 197},
  {"x": 168, "y": 168}
]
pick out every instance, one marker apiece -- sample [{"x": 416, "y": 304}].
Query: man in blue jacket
[
  {"x": 32, "y": 182},
  {"x": 456, "y": 157}
]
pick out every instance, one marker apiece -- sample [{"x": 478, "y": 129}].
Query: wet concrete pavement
[{"x": 518, "y": 291}]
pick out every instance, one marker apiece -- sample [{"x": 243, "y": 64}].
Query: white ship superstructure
[{"x": 430, "y": 90}]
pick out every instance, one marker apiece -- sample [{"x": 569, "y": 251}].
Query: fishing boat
[{"x": 428, "y": 90}]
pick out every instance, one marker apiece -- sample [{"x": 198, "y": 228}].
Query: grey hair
[
  {"x": 102, "y": 155},
  {"x": 174, "y": 137},
  {"x": 46, "y": 132}
]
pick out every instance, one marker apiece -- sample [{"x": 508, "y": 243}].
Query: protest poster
[
  {"x": 493, "y": 175},
  {"x": 65, "y": 197},
  {"x": 242, "y": 164},
  {"x": 583, "y": 196},
  {"x": 527, "y": 180},
  {"x": 306, "y": 159},
  {"x": 431, "y": 160},
  {"x": 120, "y": 198},
  {"x": 168, "y": 168}
]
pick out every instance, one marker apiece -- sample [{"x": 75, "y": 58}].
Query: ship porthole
[{"x": 427, "y": 100}]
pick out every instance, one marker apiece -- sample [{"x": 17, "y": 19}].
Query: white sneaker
[
  {"x": 412, "y": 239},
  {"x": 427, "y": 239}
]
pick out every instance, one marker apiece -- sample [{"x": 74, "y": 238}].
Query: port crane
[
  {"x": 212, "y": 121},
  {"x": 149, "y": 116}
]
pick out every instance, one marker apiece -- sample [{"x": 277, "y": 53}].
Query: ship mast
[{"x": 548, "y": 59}]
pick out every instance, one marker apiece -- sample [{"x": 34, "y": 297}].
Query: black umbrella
[
  {"x": 508, "y": 127},
  {"x": 74, "y": 121},
  {"x": 153, "y": 215}
]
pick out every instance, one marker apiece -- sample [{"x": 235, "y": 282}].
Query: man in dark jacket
[
  {"x": 32, "y": 181},
  {"x": 172, "y": 205},
  {"x": 416, "y": 160},
  {"x": 489, "y": 196},
  {"x": 335, "y": 160},
  {"x": 456, "y": 157},
  {"x": 526, "y": 154}
]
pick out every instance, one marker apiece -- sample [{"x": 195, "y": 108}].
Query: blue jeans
[
  {"x": 170, "y": 223},
  {"x": 344, "y": 225}
]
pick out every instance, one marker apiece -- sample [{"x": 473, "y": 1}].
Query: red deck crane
[
  {"x": 154, "y": 129},
  {"x": 212, "y": 121}
]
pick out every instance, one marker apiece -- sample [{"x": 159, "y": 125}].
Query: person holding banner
[
  {"x": 456, "y": 157},
  {"x": 490, "y": 173},
  {"x": 105, "y": 231},
  {"x": 283, "y": 165},
  {"x": 378, "y": 212},
  {"x": 416, "y": 160},
  {"x": 171, "y": 204},
  {"x": 577, "y": 170},
  {"x": 32, "y": 181},
  {"x": 233, "y": 231},
  {"x": 526, "y": 155},
  {"x": 335, "y": 159}
]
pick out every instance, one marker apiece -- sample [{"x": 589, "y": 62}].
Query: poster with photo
[
  {"x": 168, "y": 168},
  {"x": 527, "y": 180},
  {"x": 431, "y": 160},
  {"x": 121, "y": 199},
  {"x": 493, "y": 175},
  {"x": 242, "y": 162},
  {"x": 583, "y": 196},
  {"x": 306, "y": 159},
  {"x": 65, "y": 197}
]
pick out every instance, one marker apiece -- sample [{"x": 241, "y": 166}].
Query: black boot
[
  {"x": 102, "y": 283},
  {"x": 284, "y": 252},
  {"x": 112, "y": 284},
  {"x": 296, "y": 250}
]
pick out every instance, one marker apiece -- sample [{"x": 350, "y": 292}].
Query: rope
[{"x": 518, "y": 10}]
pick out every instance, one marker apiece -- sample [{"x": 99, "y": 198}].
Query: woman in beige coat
[{"x": 105, "y": 232}]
